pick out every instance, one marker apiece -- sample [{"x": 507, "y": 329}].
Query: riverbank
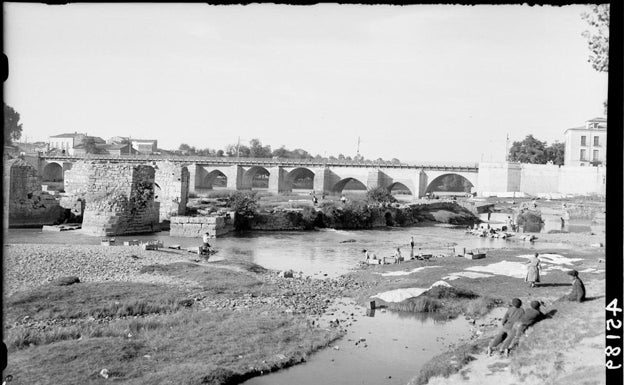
[
  {"x": 155, "y": 316},
  {"x": 129, "y": 291}
]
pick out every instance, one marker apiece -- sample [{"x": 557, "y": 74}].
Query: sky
[{"x": 417, "y": 83}]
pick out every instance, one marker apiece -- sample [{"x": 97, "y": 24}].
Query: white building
[
  {"x": 145, "y": 146},
  {"x": 586, "y": 145},
  {"x": 68, "y": 142}
]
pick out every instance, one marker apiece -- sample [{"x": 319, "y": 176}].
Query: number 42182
[{"x": 611, "y": 351}]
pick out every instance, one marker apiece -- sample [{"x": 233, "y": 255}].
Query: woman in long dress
[{"x": 533, "y": 270}]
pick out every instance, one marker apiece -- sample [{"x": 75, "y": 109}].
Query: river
[
  {"x": 323, "y": 253},
  {"x": 397, "y": 344}
]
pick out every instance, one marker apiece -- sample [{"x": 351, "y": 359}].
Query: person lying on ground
[
  {"x": 530, "y": 317},
  {"x": 513, "y": 315},
  {"x": 578, "y": 289}
]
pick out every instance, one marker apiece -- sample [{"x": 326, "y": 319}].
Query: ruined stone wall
[
  {"x": 173, "y": 182},
  {"x": 28, "y": 204},
  {"x": 119, "y": 198},
  {"x": 196, "y": 227}
]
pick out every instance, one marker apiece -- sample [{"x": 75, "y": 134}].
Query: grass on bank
[
  {"x": 211, "y": 279},
  {"x": 566, "y": 348},
  {"x": 98, "y": 300},
  {"x": 449, "y": 301},
  {"x": 188, "y": 347}
]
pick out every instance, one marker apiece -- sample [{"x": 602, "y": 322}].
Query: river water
[
  {"x": 323, "y": 253},
  {"x": 397, "y": 344}
]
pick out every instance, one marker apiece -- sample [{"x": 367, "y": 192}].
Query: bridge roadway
[{"x": 240, "y": 173}]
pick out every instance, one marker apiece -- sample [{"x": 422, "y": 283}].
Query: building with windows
[
  {"x": 586, "y": 145},
  {"x": 145, "y": 146},
  {"x": 67, "y": 143}
]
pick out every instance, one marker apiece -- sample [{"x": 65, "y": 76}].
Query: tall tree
[
  {"x": 555, "y": 153},
  {"x": 529, "y": 150},
  {"x": 257, "y": 150},
  {"x": 598, "y": 38},
  {"x": 12, "y": 126}
]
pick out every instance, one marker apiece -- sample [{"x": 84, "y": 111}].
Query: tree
[
  {"x": 598, "y": 36},
  {"x": 530, "y": 150},
  {"x": 91, "y": 147},
  {"x": 219, "y": 153},
  {"x": 555, "y": 153},
  {"x": 12, "y": 126},
  {"x": 257, "y": 150}
]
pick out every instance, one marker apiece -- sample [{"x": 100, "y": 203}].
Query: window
[
  {"x": 583, "y": 154},
  {"x": 595, "y": 155},
  {"x": 596, "y": 141},
  {"x": 583, "y": 140}
]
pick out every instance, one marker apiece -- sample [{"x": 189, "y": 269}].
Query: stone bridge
[{"x": 274, "y": 175}]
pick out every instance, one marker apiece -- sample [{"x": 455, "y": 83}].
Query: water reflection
[{"x": 315, "y": 253}]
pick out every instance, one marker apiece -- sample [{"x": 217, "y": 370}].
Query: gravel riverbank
[{"x": 31, "y": 265}]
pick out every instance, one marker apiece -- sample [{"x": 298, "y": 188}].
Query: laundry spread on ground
[
  {"x": 553, "y": 258},
  {"x": 510, "y": 269},
  {"x": 465, "y": 274},
  {"x": 401, "y": 272},
  {"x": 400, "y": 295}
]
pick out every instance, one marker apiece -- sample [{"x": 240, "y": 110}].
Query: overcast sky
[{"x": 421, "y": 82}]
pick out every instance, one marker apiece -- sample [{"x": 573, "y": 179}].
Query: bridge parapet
[{"x": 270, "y": 162}]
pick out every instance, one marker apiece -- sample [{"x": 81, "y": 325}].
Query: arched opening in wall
[
  {"x": 52, "y": 176},
  {"x": 52, "y": 172},
  {"x": 449, "y": 184},
  {"x": 300, "y": 179},
  {"x": 215, "y": 180},
  {"x": 349, "y": 185},
  {"x": 256, "y": 178},
  {"x": 400, "y": 191},
  {"x": 389, "y": 220}
]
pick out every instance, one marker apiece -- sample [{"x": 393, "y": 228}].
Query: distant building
[
  {"x": 118, "y": 140},
  {"x": 121, "y": 149},
  {"x": 68, "y": 142},
  {"x": 586, "y": 145},
  {"x": 145, "y": 146}
]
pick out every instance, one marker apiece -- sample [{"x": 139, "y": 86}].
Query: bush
[
  {"x": 245, "y": 204},
  {"x": 380, "y": 195}
]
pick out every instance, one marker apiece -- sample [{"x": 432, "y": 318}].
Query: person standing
[
  {"x": 397, "y": 255},
  {"x": 513, "y": 315},
  {"x": 412, "y": 243},
  {"x": 533, "y": 270}
]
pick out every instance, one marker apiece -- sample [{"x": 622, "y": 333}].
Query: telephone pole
[
  {"x": 507, "y": 149},
  {"x": 358, "y": 149}
]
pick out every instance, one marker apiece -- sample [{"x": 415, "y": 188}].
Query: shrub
[
  {"x": 380, "y": 195},
  {"x": 245, "y": 204}
]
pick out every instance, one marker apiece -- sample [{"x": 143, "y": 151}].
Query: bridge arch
[
  {"x": 256, "y": 177},
  {"x": 348, "y": 184},
  {"x": 399, "y": 188},
  {"x": 215, "y": 178},
  {"x": 301, "y": 178},
  {"x": 52, "y": 172},
  {"x": 450, "y": 182}
]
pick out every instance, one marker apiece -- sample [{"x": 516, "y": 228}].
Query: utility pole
[
  {"x": 507, "y": 149},
  {"x": 358, "y": 149}
]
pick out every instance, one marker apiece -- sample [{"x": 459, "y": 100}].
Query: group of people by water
[
  {"x": 517, "y": 320},
  {"x": 397, "y": 256}
]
